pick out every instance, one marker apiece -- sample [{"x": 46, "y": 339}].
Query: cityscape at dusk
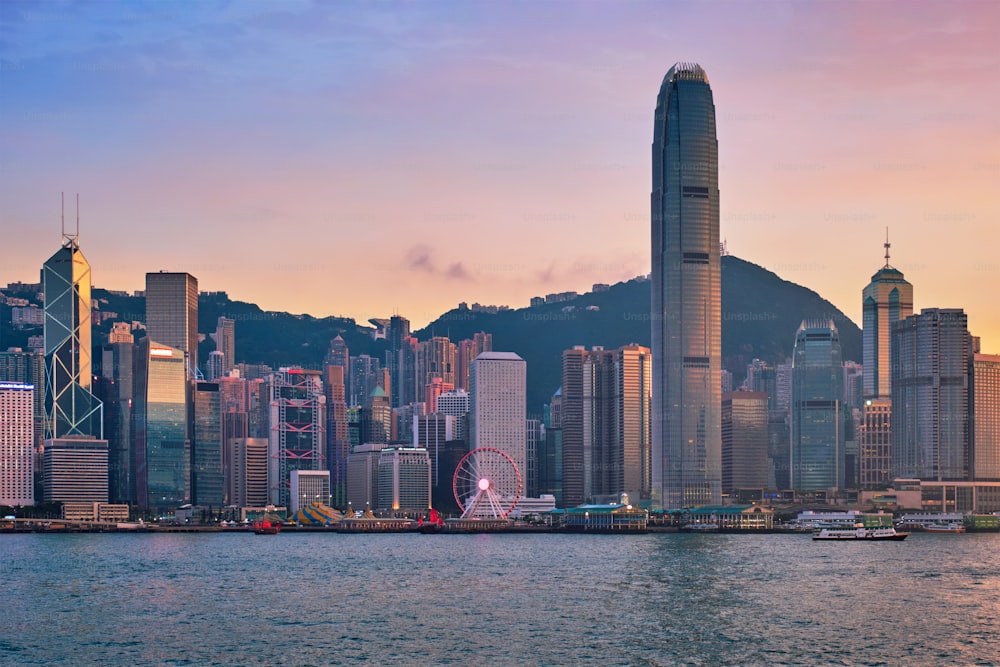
[
  {"x": 480, "y": 152},
  {"x": 727, "y": 392}
]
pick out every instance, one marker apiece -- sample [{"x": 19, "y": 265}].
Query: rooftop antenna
[
  {"x": 887, "y": 244},
  {"x": 70, "y": 240}
]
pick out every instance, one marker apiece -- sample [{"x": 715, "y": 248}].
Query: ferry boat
[
  {"x": 870, "y": 527},
  {"x": 953, "y": 527}
]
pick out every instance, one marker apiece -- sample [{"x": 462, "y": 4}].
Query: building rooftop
[
  {"x": 499, "y": 356},
  {"x": 687, "y": 72}
]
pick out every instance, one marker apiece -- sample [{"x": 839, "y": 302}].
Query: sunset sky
[{"x": 366, "y": 158}]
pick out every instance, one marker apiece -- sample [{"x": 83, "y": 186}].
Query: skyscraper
[
  {"x": 71, "y": 408},
  {"x": 686, "y": 294},
  {"x": 116, "y": 391},
  {"x": 340, "y": 355},
  {"x": 338, "y": 444},
  {"x": 225, "y": 341},
  {"x": 75, "y": 457},
  {"x": 435, "y": 359},
  {"x": 298, "y": 425},
  {"x": 172, "y": 314},
  {"x": 17, "y": 446},
  {"x": 404, "y": 479},
  {"x": 744, "y": 440},
  {"x": 207, "y": 482},
  {"x": 466, "y": 353},
  {"x": 162, "y": 447},
  {"x": 575, "y": 483},
  {"x": 20, "y": 367},
  {"x": 215, "y": 366},
  {"x": 886, "y": 299},
  {"x": 986, "y": 416},
  {"x": 605, "y": 424},
  {"x": 931, "y": 359},
  {"x": 817, "y": 445},
  {"x": 398, "y": 359},
  {"x": 875, "y": 444},
  {"x": 497, "y": 413},
  {"x": 365, "y": 375}
]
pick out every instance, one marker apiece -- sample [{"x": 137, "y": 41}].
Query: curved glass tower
[{"x": 686, "y": 294}]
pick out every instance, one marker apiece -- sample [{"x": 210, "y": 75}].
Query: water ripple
[{"x": 656, "y": 600}]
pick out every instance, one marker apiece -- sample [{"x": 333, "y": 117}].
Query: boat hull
[{"x": 828, "y": 534}]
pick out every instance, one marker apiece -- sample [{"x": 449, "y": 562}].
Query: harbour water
[{"x": 657, "y": 599}]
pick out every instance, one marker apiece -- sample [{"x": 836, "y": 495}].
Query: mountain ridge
[{"x": 760, "y": 314}]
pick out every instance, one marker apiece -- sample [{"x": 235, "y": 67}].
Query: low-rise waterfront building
[
  {"x": 611, "y": 518},
  {"x": 731, "y": 517}
]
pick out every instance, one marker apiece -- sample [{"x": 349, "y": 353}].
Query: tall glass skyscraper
[
  {"x": 207, "y": 481},
  {"x": 162, "y": 455},
  {"x": 71, "y": 409},
  {"x": 931, "y": 360},
  {"x": 172, "y": 314},
  {"x": 817, "y": 446},
  {"x": 686, "y": 294},
  {"x": 886, "y": 299}
]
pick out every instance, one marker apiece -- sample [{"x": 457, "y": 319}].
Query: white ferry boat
[
  {"x": 953, "y": 527},
  {"x": 870, "y": 527}
]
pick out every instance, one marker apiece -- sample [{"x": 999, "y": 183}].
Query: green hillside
[{"x": 760, "y": 314}]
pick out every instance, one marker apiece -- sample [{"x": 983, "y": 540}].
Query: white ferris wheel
[{"x": 487, "y": 484}]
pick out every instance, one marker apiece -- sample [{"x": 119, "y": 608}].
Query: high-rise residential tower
[
  {"x": 686, "y": 294},
  {"x": 172, "y": 314},
  {"x": 225, "y": 341}
]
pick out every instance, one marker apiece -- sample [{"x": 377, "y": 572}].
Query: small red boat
[{"x": 265, "y": 527}]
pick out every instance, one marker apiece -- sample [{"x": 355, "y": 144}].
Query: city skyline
[{"x": 267, "y": 127}]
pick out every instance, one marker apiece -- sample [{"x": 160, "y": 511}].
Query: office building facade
[
  {"x": 308, "y": 487},
  {"x": 71, "y": 409},
  {"x": 744, "y": 441},
  {"x": 931, "y": 364},
  {"x": 686, "y": 294},
  {"x": 208, "y": 486},
  {"x": 162, "y": 453},
  {"x": 298, "y": 428},
  {"x": 75, "y": 470},
  {"x": 17, "y": 444},
  {"x": 404, "y": 480},
  {"x": 986, "y": 416},
  {"x": 497, "y": 413},
  {"x": 172, "y": 314},
  {"x": 886, "y": 299},
  {"x": 817, "y": 455}
]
